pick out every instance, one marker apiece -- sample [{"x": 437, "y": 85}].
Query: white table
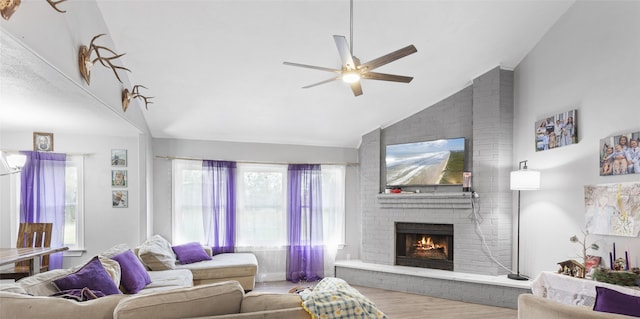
[{"x": 571, "y": 290}]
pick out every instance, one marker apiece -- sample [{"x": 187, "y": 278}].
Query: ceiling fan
[{"x": 352, "y": 70}]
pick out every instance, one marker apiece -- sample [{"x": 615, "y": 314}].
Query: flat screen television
[{"x": 438, "y": 162}]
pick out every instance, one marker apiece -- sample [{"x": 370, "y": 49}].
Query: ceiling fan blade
[
  {"x": 356, "y": 88},
  {"x": 319, "y": 83},
  {"x": 386, "y": 77},
  {"x": 312, "y": 67},
  {"x": 388, "y": 58},
  {"x": 345, "y": 53}
]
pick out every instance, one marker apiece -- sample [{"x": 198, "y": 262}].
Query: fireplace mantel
[{"x": 460, "y": 200}]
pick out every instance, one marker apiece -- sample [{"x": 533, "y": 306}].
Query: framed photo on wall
[
  {"x": 42, "y": 142},
  {"x": 119, "y": 198},
  {"x": 119, "y": 178},
  {"x": 620, "y": 154},
  {"x": 556, "y": 131},
  {"x": 119, "y": 158},
  {"x": 613, "y": 209}
]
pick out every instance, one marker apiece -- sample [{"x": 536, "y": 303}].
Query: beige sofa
[
  {"x": 224, "y": 300},
  {"x": 156, "y": 254},
  {"x": 536, "y": 307}
]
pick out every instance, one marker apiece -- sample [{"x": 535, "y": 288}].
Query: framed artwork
[
  {"x": 43, "y": 142},
  {"x": 613, "y": 209},
  {"x": 119, "y": 178},
  {"x": 556, "y": 131},
  {"x": 119, "y": 158},
  {"x": 620, "y": 154},
  {"x": 590, "y": 263},
  {"x": 119, "y": 198}
]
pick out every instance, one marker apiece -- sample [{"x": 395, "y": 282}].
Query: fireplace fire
[{"x": 424, "y": 245}]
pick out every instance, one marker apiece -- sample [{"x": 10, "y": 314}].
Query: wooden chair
[{"x": 30, "y": 235}]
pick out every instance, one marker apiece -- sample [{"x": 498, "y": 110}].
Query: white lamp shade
[
  {"x": 16, "y": 161},
  {"x": 525, "y": 180}
]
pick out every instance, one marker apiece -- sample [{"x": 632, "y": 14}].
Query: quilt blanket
[{"x": 333, "y": 298}]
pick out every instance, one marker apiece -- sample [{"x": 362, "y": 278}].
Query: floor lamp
[{"x": 522, "y": 179}]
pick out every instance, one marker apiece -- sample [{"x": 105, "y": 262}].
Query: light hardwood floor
[{"x": 400, "y": 305}]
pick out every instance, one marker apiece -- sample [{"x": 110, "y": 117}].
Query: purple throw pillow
[
  {"x": 92, "y": 275},
  {"x": 611, "y": 301},
  {"x": 190, "y": 253},
  {"x": 134, "y": 277}
]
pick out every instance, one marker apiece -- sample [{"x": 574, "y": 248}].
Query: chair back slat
[{"x": 34, "y": 235}]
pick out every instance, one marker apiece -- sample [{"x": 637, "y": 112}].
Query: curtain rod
[
  {"x": 254, "y": 162},
  {"x": 18, "y": 151}
]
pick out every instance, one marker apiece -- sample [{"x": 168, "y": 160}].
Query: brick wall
[{"x": 481, "y": 113}]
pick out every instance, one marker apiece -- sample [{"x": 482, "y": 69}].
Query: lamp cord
[{"x": 477, "y": 220}]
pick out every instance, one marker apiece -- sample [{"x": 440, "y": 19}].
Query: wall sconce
[
  {"x": 522, "y": 179},
  {"x": 8, "y": 7},
  {"x": 86, "y": 64},
  {"x": 127, "y": 96},
  {"x": 11, "y": 163}
]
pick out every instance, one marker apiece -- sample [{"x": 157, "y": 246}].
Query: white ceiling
[{"x": 215, "y": 67}]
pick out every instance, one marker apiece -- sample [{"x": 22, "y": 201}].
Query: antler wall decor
[
  {"x": 127, "y": 96},
  {"x": 86, "y": 64},
  {"x": 8, "y": 7}
]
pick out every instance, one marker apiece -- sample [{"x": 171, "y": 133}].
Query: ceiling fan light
[{"x": 351, "y": 77}]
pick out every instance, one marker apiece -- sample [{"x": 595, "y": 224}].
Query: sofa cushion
[
  {"x": 206, "y": 300},
  {"x": 611, "y": 301},
  {"x": 264, "y": 301},
  {"x": 134, "y": 276},
  {"x": 168, "y": 279},
  {"x": 111, "y": 266},
  {"x": 92, "y": 275},
  {"x": 224, "y": 266},
  {"x": 190, "y": 253},
  {"x": 35, "y": 307},
  {"x": 156, "y": 253},
  {"x": 42, "y": 284}
]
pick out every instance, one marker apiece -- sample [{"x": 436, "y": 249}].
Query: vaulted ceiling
[{"x": 215, "y": 68}]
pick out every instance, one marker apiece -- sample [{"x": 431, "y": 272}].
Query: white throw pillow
[{"x": 156, "y": 254}]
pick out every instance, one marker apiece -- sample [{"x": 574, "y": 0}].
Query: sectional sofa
[{"x": 211, "y": 288}]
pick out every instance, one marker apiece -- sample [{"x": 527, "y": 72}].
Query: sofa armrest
[{"x": 535, "y": 307}]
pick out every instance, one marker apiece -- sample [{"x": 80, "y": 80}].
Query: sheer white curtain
[
  {"x": 187, "y": 202},
  {"x": 333, "y": 213}
]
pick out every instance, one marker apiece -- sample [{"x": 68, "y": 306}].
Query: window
[
  {"x": 74, "y": 203},
  {"x": 261, "y": 213}
]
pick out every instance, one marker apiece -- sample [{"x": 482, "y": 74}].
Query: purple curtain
[
  {"x": 219, "y": 205},
  {"x": 306, "y": 256},
  {"x": 42, "y": 195}
]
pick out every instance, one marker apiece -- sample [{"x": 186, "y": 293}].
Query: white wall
[
  {"x": 587, "y": 61},
  {"x": 104, "y": 226}
]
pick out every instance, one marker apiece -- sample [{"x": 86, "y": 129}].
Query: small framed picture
[
  {"x": 42, "y": 142},
  {"x": 119, "y": 178},
  {"x": 119, "y": 198},
  {"x": 590, "y": 263},
  {"x": 119, "y": 158}
]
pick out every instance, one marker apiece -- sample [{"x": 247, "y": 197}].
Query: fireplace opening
[{"x": 424, "y": 245}]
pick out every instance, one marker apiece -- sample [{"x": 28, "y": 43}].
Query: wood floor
[{"x": 400, "y": 305}]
